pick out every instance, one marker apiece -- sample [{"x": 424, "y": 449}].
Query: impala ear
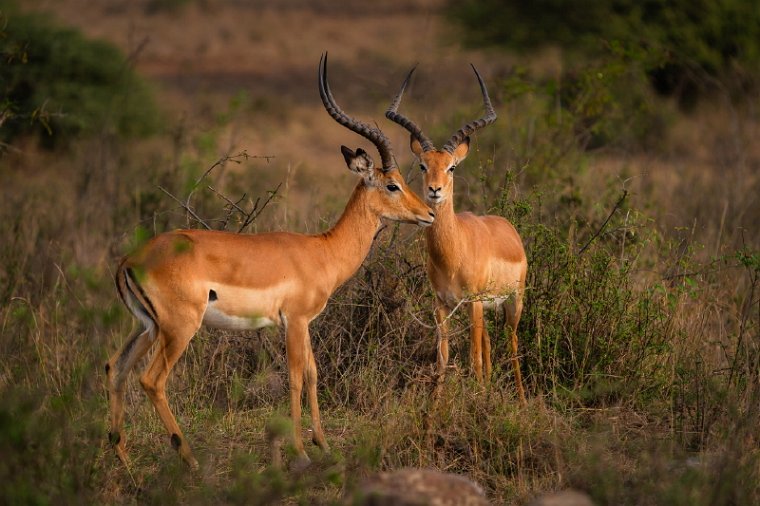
[
  {"x": 359, "y": 161},
  {"x": 460, "y": 153},
  {"x": 415, "y": 145}
]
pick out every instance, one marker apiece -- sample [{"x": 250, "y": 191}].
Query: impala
[
  {"x": 475, "y": 260},
  {"x": 184, "y": 279}
]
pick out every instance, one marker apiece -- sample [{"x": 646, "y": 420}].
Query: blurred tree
[
  {"x": 704, "y": 43},
  {"x": 57, "y": 83}
]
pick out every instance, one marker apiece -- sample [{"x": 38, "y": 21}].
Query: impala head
[
  {"x": 389, "y": 195},
  {"x": 437, "y": 168},
  {"x": 437, "y": 165}
]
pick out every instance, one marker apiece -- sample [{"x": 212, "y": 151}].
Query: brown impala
[
  {"x": 479, "y": 260},
  {"x": 184, "y": 279}
]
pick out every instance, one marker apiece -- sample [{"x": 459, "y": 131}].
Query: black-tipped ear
[
  {"x": 359, "y": 161},
  {"x": 348, "y": 154}
]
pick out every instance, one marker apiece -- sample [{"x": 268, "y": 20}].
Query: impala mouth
[{"x": 426, "y": 222}]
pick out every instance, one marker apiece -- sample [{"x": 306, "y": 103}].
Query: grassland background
[{"x": 640, "y": 339}]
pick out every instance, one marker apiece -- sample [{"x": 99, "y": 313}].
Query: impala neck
[
  {"x": 443, "y": 237},
  {"x": 350, "y": 240}
]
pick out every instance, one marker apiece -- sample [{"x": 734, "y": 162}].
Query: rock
[
  {"x": 564, "y": 498},
  {"x": 418, "y": 487}
]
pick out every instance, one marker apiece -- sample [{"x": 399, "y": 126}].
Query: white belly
[
  {"x": 214, "y": 317},
  {"x": 240, "y": 308},
  {"x": 451, "y": 300},
  {"x": 493, "y": 302}
]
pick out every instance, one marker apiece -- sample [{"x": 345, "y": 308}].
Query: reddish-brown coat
[
  {"x": 479, "y": 259},
  {"x": 248, "y": 280}
]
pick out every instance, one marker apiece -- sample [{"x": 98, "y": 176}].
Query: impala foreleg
[
  {"x": 486, "y": 351},
  {"x": 476, "y": 339},
  {"x": 118, "y": 368},
  {"x": 318, "y": 436},
  {"x": 297, "y": 354},
  {"x": 512, "y": 312},
  {"x": 442, "y": 323},
  {"x": 172, "y": 345}
]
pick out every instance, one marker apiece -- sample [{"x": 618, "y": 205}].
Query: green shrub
[
  {"x": 49, "y": 447},
  {"x": 593, "y": 333},
  {"x": 57, "y": 83}
]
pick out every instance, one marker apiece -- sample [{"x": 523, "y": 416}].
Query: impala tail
[{"x": 134, "y": 297}]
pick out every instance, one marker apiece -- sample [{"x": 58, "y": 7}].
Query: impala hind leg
[
  {"x": 512, "y": 312},
  {"x": 442, "y": 324},
  {"x": 476, "y": 339},
  {"x": 172, "y": 344},
  {"x": 118, "y": 368}
]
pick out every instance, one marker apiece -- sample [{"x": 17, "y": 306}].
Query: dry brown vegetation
[{"x": 641, "y": 335}]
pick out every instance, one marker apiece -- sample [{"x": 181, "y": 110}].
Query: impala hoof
[
  {"x": 321, "y": 443},
  {"x": 300, "y": 463}
]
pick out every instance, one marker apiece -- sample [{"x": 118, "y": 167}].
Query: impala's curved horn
[
  {"x": 393, "y": 115},
  {"x": 372, "y": 134},
  {"x": 476, "y": 125}
]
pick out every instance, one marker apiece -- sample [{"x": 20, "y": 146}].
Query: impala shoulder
[
  {"x": 510, "y": 246},
  {"x": 467, "y": 216},
  {"x": 495, "y": 221},
  {"x": 478, "y": 226}
]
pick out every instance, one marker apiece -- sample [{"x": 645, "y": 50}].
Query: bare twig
[
  {"x": 420, "y": 322},
  {"x": 256, "y": 211},
  {"x": 248, "y": 216},
  {"x": 219, "y": 163},
  {"x": 186, "y": 207},
  {"x": 232, "y": 206},
  {"x": 135, "y": 53},
  {"x": 601, "y": 229}
]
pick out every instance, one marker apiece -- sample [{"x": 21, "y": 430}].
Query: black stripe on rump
[
  {"x": 152, "y": 310},
  {"x": 119, "y": 289}
]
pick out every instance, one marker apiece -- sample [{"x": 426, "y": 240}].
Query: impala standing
[
  {"x": 479, "y": 260},
  {"x": 184, "y": 279}
]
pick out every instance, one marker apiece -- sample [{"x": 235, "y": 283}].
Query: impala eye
[
  {"x": 451, "y": 169},
  {"x": 423, "y": 168},
  {"x": 392, "y": 188}
]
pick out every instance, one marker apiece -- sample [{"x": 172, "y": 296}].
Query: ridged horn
[
  {"x": 374, "y": 135},
  {"x": 476, "y": 125},
  {"x": 393, "y": 115}
]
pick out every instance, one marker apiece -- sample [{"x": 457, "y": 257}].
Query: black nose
[{"x": 434, "y": 190}]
